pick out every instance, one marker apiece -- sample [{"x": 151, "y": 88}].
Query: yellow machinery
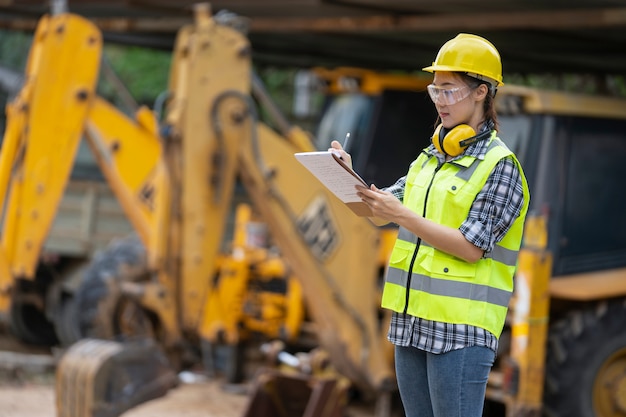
[
  {"x": 171, "y": 282},
  {"x": 172, "y": 290}
]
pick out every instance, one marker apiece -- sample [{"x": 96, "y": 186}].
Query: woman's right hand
[{"x": 336, "y": 147}]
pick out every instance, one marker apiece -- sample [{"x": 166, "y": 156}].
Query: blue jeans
[{"x": 451, "y": 384}]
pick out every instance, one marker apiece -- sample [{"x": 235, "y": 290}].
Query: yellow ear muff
[{"x": 454, "y": 141}]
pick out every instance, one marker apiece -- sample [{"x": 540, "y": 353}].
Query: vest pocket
[
  {"x": 398, "y": 266},
  {"x": 439, "y": 265},
  {"x": 399, "y": 255}
]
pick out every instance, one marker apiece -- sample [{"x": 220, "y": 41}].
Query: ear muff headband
[{"x": 454, "y": 141}]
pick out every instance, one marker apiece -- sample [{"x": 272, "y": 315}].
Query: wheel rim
[{"x": 609, "y": 389}]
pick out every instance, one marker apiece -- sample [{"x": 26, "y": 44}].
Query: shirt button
[
  {"x": 445, "y": 269},
  {"x": 453, "y": 187}
]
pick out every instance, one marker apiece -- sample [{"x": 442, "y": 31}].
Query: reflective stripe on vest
[
  {"x": 451, "y": 288},
  {"x": 440, "y": 286}
]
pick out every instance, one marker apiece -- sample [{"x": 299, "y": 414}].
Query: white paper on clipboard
[{"x": 339, "y": 178}]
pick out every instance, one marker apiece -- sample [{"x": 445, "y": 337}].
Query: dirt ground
[
  {"x": 27, "y": 390},
  {"x": 34, "y": 396},
  {"x": 207, "y": 399}
]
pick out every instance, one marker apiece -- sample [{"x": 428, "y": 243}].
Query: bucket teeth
[{"x": 103, "y": 378}]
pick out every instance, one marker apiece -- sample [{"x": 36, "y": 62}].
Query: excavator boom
[{"x": 44, "y": 128}]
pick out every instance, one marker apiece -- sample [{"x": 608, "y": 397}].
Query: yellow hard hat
[{"x": 471, "y": 54}]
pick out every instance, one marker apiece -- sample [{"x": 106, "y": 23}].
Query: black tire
[
  {"x": 30, "y": 325},
  {"x": 99, "y": 301},
  {"x": 586, "y": 362},
  {"x": 67, "y": 323}
]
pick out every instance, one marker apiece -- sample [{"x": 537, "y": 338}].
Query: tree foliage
[
  {"x": 14, "y": 48},
  {"x": 143, "y": 71}
]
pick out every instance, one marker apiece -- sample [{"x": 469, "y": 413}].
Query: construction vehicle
[
  {"x": 572, "y": 310},
  {"x": 177, "y": 191},
  {"x": 175, "y": 182},
  {"x": 563, "y": 350}
]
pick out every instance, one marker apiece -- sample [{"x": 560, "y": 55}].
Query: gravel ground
[
  {"x": 27, "y": 390},
  {"x": 205, "y": 399},
  {"x": 27, "y": 395}
]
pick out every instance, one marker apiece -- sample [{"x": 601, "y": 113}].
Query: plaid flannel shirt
[{"x": 494, "y": 209}]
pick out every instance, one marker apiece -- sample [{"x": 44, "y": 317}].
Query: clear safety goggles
[{"x": 447, "y": 96}]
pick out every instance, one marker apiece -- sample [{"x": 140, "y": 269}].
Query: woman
[{"x": 460, "y": 211}]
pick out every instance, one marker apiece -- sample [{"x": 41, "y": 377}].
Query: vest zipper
[{"x": 419, "y": 241}]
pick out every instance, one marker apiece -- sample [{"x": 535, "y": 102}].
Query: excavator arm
[
  {"x": 54, "y": 110},
  {"x": 37, "y": 157},
  {"x": 333, "y": 254}
]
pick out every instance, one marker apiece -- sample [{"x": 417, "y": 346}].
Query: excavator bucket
[
  {"x": 284, "y": 394},
  {"x": 103, "y": 378}
]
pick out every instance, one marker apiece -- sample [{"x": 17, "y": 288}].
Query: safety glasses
[{"x": 447, "y": 96}]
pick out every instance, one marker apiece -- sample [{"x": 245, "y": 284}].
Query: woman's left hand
[{"x": 384, "y": 205}]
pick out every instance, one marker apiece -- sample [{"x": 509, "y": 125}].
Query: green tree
[
  {"x": 143, "y": 71},
  {"x": 14, "y": 48}
]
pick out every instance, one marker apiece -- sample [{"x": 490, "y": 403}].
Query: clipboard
[{"x": 337, "y": 177}]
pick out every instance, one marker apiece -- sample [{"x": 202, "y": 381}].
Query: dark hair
[{"x": 489, "y": 106}]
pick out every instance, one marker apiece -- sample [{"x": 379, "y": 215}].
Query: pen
[{"x": 345, "y": 142}]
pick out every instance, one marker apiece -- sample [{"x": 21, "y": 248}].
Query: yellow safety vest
[{"x": 439, "y": 286}]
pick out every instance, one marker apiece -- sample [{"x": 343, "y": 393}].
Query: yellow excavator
[{"x": 163, "y": 293}]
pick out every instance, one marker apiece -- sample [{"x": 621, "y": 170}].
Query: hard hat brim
[{"x": 450, "y": 68}]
